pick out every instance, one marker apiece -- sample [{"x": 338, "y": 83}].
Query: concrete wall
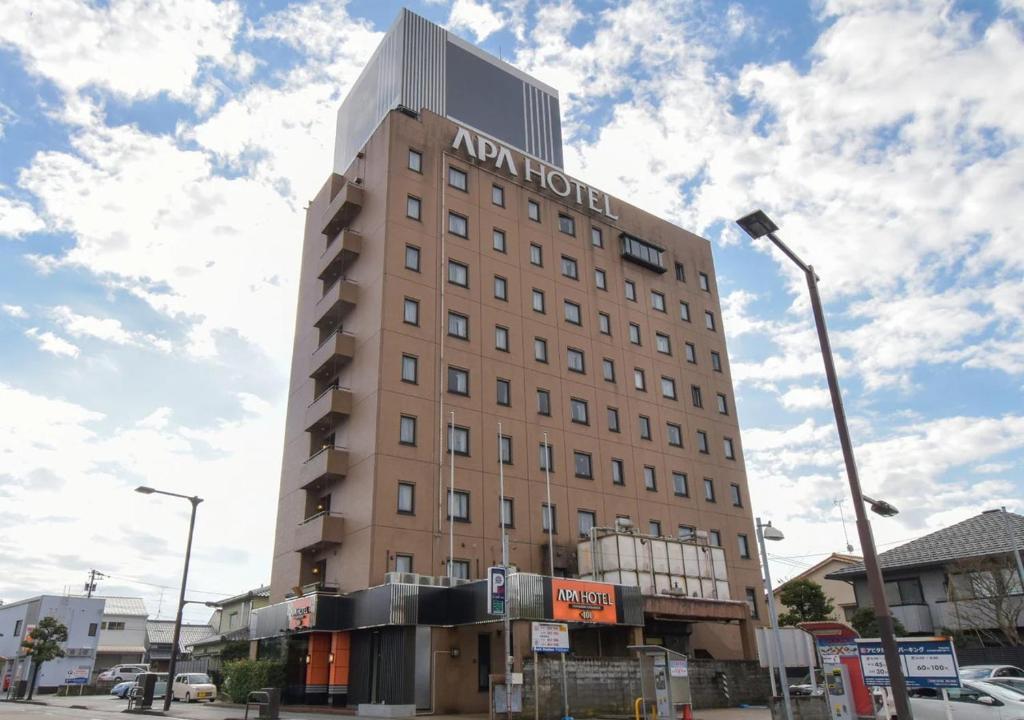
[{"x": 804, "y": 708}]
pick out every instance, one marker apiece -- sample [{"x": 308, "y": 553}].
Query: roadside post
[
  {"x": 550, "y": 638},
  {"x": 927, "y": 662}
]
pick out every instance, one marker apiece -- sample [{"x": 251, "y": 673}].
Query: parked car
[
  {"x": 1014, "y": 683},
  {"x": 983, "y": 672},
  {"x": 193, "y": 686},
  {"x": 803, "y": 686},
  {"x": 122, "y": 688},
  {"x": 976, "y": 700},
  {"x": 120, "y": 673}
]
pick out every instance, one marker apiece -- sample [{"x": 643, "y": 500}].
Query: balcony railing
[
  {"x": 342, "y": 209},
  {"x": 330, "y": 405},
  {"x": 319, "y": 531},
  {"x": 329, "y": 463},
  {"x": 341, "y": 249},
  {"x": 340, "y": 296},
  {"x": 333, "y": 352}
]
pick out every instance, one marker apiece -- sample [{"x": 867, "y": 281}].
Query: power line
[{"x": 166, "y": 587}]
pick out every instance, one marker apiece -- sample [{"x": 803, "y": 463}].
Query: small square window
[
  {"x": 705, "y": 283},
  {"x": 498, "y": 240},
  {"x": 608, "y": 369},
  {"x": 458, "y": 273},
  {"x": 458, "y": 440},
  {"x": 680, "y": 272},
  {"x": 412, "y": 258},
  {"x": 657, "y": 301},
  {"x": 411, "y": 311},
  {"x": 631, "y": 290},
  {"x": 415, "y": 160},
  {"x": 604, "y": 323},
  {"x": 645, "y": 427},
  {"x": 500, "y": 288},
  {"x": 634, "y": 333},
  {"x": 409, "y": 368},
  {"x": 691, "y": 353},
  {"x": 501, "y": 338},
  {"x": 684, "y": 311},
  {"x": 709, "y": 320},
  {"x": 723, "y": 404},
  {"x": 709, "y": 489},
  {"x": 680, "y": 484},
  {"x": 538, "y": 300},
  {"x": 458, "y": 381},
  {"x": 536, "y": 255},
  {"x": 458, "y": 325},
  {"x": 618, "y": 472},
  {"x": 540, "y": 350},
  {"x": 458, "y": 225},
  {"x": 702, "y": 442},
  {"x": 508, "y": 514},
  {"x": 744, "y": 546},
  {"x": 716, "y": 361},
  {"x": 714, "y": 538},
  {"x": 549, "y": 518},
  {"x": 734, "y": 495},
  {"x": 413, "y": 207},
  {"x": 650, "y": 481},
  {"x": 498, "y": 195},
  {"x": 547, "y": 457},
  {"x": 582, "y": 462},
  {"x": 504, "y": 392},
  {"x": 403, "y": 563},
  {"x": 572, "y": 313},
  {"x": 675, "y": 434},
  {"x": 570, "y": 269},
  {"x": 460, "y": 569},
  {"x": 585, "y": 520},
  {"x": 458, "y": 505},
  {"x": 566, "y": 225},
  {"x": 407, "y": 430},
  {"x": 574, "y": 360},
  {"x": 613, "y": 419},
  {"x": 639, "y": 379},
  {"x": 458, "y": 179},
  {"x": 668, "y": 388},
  {"x": 533, "y": 210},
  {"x": 596, "y": 237},
  {"x": 406, "y": 498},
  {"x": 687, "y": 532},
  {"x": 751, "y": 594},
  {"x": 696, "y": 396},
  {"x": 543, "y": 402},
  {"x": 578, "y": 409},
  {"x": 663, "y": 343},
  {"x": 654, "y": 528},
  {"x": 730, "y": 451},
  {"x": 600, "y": 279}
]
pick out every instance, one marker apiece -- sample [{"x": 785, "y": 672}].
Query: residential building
[
  {"x": 454, "y": 281},
  {"x": 160, "y": 640},
  {"x": 838, "y": 592},
  {"x": 956, "y": 579},
  {"x": 81, "y": 616},
  {"x": 122, "y": 633},
  {"x": 230, "y": 622}
]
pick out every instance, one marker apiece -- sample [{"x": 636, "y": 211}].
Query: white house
[{"x": 122, "y": 633}]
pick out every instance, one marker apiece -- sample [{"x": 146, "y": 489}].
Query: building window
[
  {"x": 93, "y": 629},
  {"x": 730, "y": 451},
  {"x": 663, "y": 343},
  {"x": 668, "y": 388},
  {"x": 744, "y": 545},
  {"x": 639, "y": 379},
  {"x": 572, "y": 313},
  {"x": 600, "y": 279},
  {"x": 458, "y": 439},
  {"x": 686, "y": 532},
  {"x": 702, "y": 442},
  {"x": 504, "y": 392},
  {"x": 570, "y": 269},
  {"x": 684, "y": 311},
  {"x": 458, "y": 273},
  {"x": 645, "y": 427},
  {"x": 691, "y": 353},
  {"x": 406, "y": 498},
  {"x": 415, "y": 160},
  {"x": 460, "y": 569},
  {"x": 566, "y": 225},
  {"x": 578, "y": 411},
  {"x": 585, "y": 521},
  {"x": 723, "y": 404},
  {"x": 716, "y": 361},
  {"x": 457, "y": 179},
  {"x": 618, "y": 472},
  {"x": 17, "y": 629},
  {"x": 709, "y": 320},
  {"x": 409, "y": 369},
  {"x": 696, "y": 396},
  {"x": 575, "y": 360},
  {"x": 650, "y": 480},
  {"x": 613, "y": 419},
  {"x": 411, "y": 311},
  {"x": 403, "y": 563},
  {"x": 543, "y": 402},
  {"x": 752, "y": 602},
  {"x": 634, "y": 333},
  {"x": 654, "y": 528},
  {"x": 458, "y": 381},
  {"x": 536, "y": 255},
  {"x": 714, "y": 538},
  {"x": 540, "y": 350},
  {"x": 458, "y": 505},
  {"x": 498, "y": 240},
  {"x": 631, "y": 290},
  {"x": 413, "y": 207},
  {"x": 657, "y": 301},
  {"x": 596, "y": 237},
  {"x": 500, "y": 288},
  {"x": 505, "y": 448},
  {"x": 533, "y": 210},
  {"x": 675, "y": 434},
  {"x": 458, "y": 325},
  {"x": 407, "y": 430},
  {"x": 608, "y": 369},
  {"x": 734, "y": 495},
  {"x": 549, "y": 518},
  {"x": 680, "y": 272},
  {"x": 642, "y": 253},
  {"x": 604, "y": 323},
  {"x": 705, "y": 283},
  {"x": 538, "y": 300},
  {"x": 508, "y": 512},
  {"x": 709, "y": 489},
  {"x": 501, "y": 338},
  {"x": 412, "y": 258},
  {"x": 680, "y": 484},
  {"x": 582, "y": 463},
  {"x": 458, "y": 224},
  {"x": 498, "y": 195},
  {"x": 547, "y": 457}
]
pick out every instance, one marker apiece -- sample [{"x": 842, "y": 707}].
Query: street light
[
  {"x": 172, "y": 665},
  {"x": 881, "y": 507},
  {"x": 767, "y": 532},
  {"x": 757, "y": 224}
]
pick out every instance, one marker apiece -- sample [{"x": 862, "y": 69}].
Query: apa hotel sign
[
  {"x": 547, "y": 178},
  {"x": 580, "y": 601}
]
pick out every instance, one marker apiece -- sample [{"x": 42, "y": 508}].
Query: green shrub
[{"x": 243, "y": 676}]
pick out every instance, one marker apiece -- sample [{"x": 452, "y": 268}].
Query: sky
[{"x": 156, "y": 157}]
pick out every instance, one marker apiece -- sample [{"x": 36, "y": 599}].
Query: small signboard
[
  {"x": 77, "y": 676},
  {"x": 928, "y": 662},
  {"x": 496, "y": 590},
  {"x": 678, "y": 668},
  {"x": 550, "y": 637}
]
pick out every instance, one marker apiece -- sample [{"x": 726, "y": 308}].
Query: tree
[
  {"x": 987, "y": 601},
  {"x": 865, "y": 622},
  {"x": 43, "y": 645},
  {"x": 806, "y": 601}
]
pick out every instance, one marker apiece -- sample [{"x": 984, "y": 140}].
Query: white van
[{"x": 193, "y": 686}]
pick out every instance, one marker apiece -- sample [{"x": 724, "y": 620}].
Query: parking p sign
[{"x": 496, "y": 590}]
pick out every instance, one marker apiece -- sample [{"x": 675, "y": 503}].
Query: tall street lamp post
[
  {"x": 767, "y": 532},
  {"x": 173, "y": 663},
  {"x": 757, "y": 224}
]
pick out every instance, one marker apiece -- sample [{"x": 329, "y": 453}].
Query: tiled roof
[
  {"x": 125, "y": 606},
  {"x": 241, "y": 633},
  {"x": 161, "y": 632},
  {"x": 978, "y": 536},
  {"x": 262, "y": 591}
]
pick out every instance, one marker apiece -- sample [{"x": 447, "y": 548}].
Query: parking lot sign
[
  {"x": 496, "y": 590},
  {"x": 927, "y": 662}
]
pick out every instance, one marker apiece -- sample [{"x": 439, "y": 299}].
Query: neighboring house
[
  {"x": 839, "y": 592},
  {"x": 160, "y": 635},
  {"x": 81, "y": 616},
  {"x": 122, "y": 633},
  {"x": 944, "y": 581},
  {"x": 230, "y": 622}
]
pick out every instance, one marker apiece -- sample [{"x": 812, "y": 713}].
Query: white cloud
[
  {"x": 15, "y": 311},
  {"x": 107, "y": 329},
  {"x": 806, "y": 398},
  {"x": 17, "y": 218},
  {"x": 7, "y": 117},
  {"x": 476, "y": 16},
  {"x": 48, "y": 342}
]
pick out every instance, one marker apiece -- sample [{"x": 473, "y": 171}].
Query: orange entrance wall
[
  {"x": 318, "y": 667},
  {"x": 341, "y": 648}
]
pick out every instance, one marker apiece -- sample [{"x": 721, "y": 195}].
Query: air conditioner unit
[
  {"x": 425, "y": 580},
  {"x": 409, "y": 578},
  {"x": 390, "y": 578},
  {"x": 445, "y": 581}
]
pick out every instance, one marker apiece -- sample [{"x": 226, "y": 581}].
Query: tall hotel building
[{"x": 451, "y": 269}]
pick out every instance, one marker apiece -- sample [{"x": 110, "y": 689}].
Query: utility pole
[{"x": 90, "y": 586}]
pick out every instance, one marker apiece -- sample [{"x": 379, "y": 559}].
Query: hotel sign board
[
  {"x": 302, "y": 613},
  {"x": 580, "y": 601}
]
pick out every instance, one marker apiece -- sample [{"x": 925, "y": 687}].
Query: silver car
[
  {"x": 984, "y": 672},
  {"x": 976, "y": 700}
]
